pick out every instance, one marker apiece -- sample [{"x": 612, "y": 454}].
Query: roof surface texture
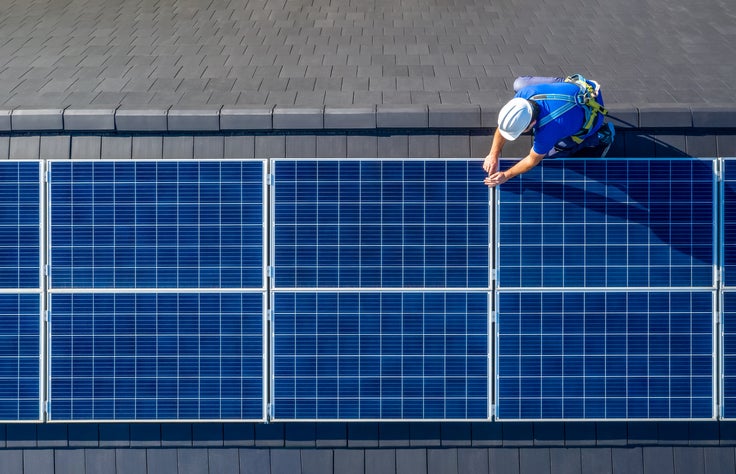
[{"x": 58, "y": 53}]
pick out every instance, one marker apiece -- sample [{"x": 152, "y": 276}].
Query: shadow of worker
[{"x": 651, "y": 218}]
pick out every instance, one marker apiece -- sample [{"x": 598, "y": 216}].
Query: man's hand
[
  {"x": 522, "y": 166},
  {"x": 490, "y": 164},
  {"x": 495, "y": 179}
]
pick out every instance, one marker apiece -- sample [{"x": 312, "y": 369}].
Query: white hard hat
[{"x": 514, "y": 118}]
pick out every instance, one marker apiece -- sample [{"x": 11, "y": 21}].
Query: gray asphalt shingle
[
  {"x": 102, "y": 47},
  {"x": 40, "y": 461},
  {"x": 65, "y": 461},
  {"x": 349, "y": 461},
  {"x": 627, "y": 460},
  {"x": 130, "y": 461},
  {"x": 223, "y": 461}
]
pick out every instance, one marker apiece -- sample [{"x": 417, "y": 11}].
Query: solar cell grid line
[
  {"x": 145, "y": 224},
  {"x": 20, "y": 221},
  {"x": 592, "y": 223},
  {"x": 374, "y": 223},
  {"x": 380, "y": 355},
  {"x": 157, "y": 356},
  {"x": 618, "y": 354}
]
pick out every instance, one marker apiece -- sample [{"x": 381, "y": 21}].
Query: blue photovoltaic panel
[
  {"x": 605, "y": 355},
  {"x": 166, "y": 356},
  {"x": 148, "y": 224},
  {"x": 380, "y": 224},
  {"x": 20, "y": 224},
  {"x": 20, "y": 319},
  {"x": 390, "y": 355},
  {"x": 608, "y": 223},
  {"x": 729, "y": 222},
  {"x": 728, "y": 355}
]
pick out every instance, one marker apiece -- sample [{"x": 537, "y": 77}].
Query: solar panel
[
  {"x": 164, "y": 356},
  {"x": 608, "y": 223},
  {"x": 157, "y": 299},
  {"x": 728, "y": 229},
  {"x": 605, "y": 355},
  {"x": 20, "y": 290},
  {"x": 355, "y": 245},
  {"x": 728, "y": 302},
  {"x": 20, "y": 191},
  {"x": 728, "y": 355},
  {"x": 380, "y": 224},
  {"x": 20, "y": 346},
  {"x": 380, "y": 355},
  {"x": 157, "y": 224}
]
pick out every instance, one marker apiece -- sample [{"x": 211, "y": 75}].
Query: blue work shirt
[{"x": 564, "y": 126}]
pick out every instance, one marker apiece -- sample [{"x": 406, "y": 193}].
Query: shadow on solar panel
[{"x": 608, "y": 223}]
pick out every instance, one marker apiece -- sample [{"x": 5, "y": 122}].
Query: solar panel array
[
  {"x": 366, "y": 290},
  {"x": 20, "y": 291},
  {"x": 381, "y": 289},
  {"x": 606, "y": 291},
  {"x": 175, "y": 328}
]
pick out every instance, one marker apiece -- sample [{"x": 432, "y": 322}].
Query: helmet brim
[{"x": 509, "y": 136}]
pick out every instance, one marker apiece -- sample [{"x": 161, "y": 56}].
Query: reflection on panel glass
[
  {"x": 380, "y": 224},
  {"x": 605, "y": 355},
  {"x": 165, "y": 356},
  {"x": 608, "y": 223},
  {"x": 370, "y": 355},
  {"x": 157, "y": 224}
]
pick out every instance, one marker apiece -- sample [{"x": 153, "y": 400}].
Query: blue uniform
[{"x": 568, "y": 124}]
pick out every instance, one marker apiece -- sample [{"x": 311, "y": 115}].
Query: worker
[{"x": 566, "y": 116}]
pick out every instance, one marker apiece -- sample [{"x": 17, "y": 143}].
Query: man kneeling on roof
[{"x": 566, "y": 116}]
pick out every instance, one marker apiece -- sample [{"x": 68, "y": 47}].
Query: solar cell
[
  {"x": 605, "y": 355},
  {"x": 156, "y": 356},
  {"x": 380, "y": 224},
  {"x": 20, "y": 191},
  {"x": 608, "y": 223},
  {"x": 380, "y": 355},
  {"x": 157, "y": 224}
]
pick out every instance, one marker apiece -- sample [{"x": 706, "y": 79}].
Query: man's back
[{"x": 562, "y": 127}]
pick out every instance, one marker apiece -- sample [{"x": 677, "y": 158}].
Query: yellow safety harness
[{"x": 585, "y": 98}]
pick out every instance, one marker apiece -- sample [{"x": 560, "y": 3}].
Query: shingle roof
[{"x": 342, "y": 52}]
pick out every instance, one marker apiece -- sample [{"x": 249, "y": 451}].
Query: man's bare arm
[
  {"x": 522, "y": 166},
  {"x": 490, "y": 165}
]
